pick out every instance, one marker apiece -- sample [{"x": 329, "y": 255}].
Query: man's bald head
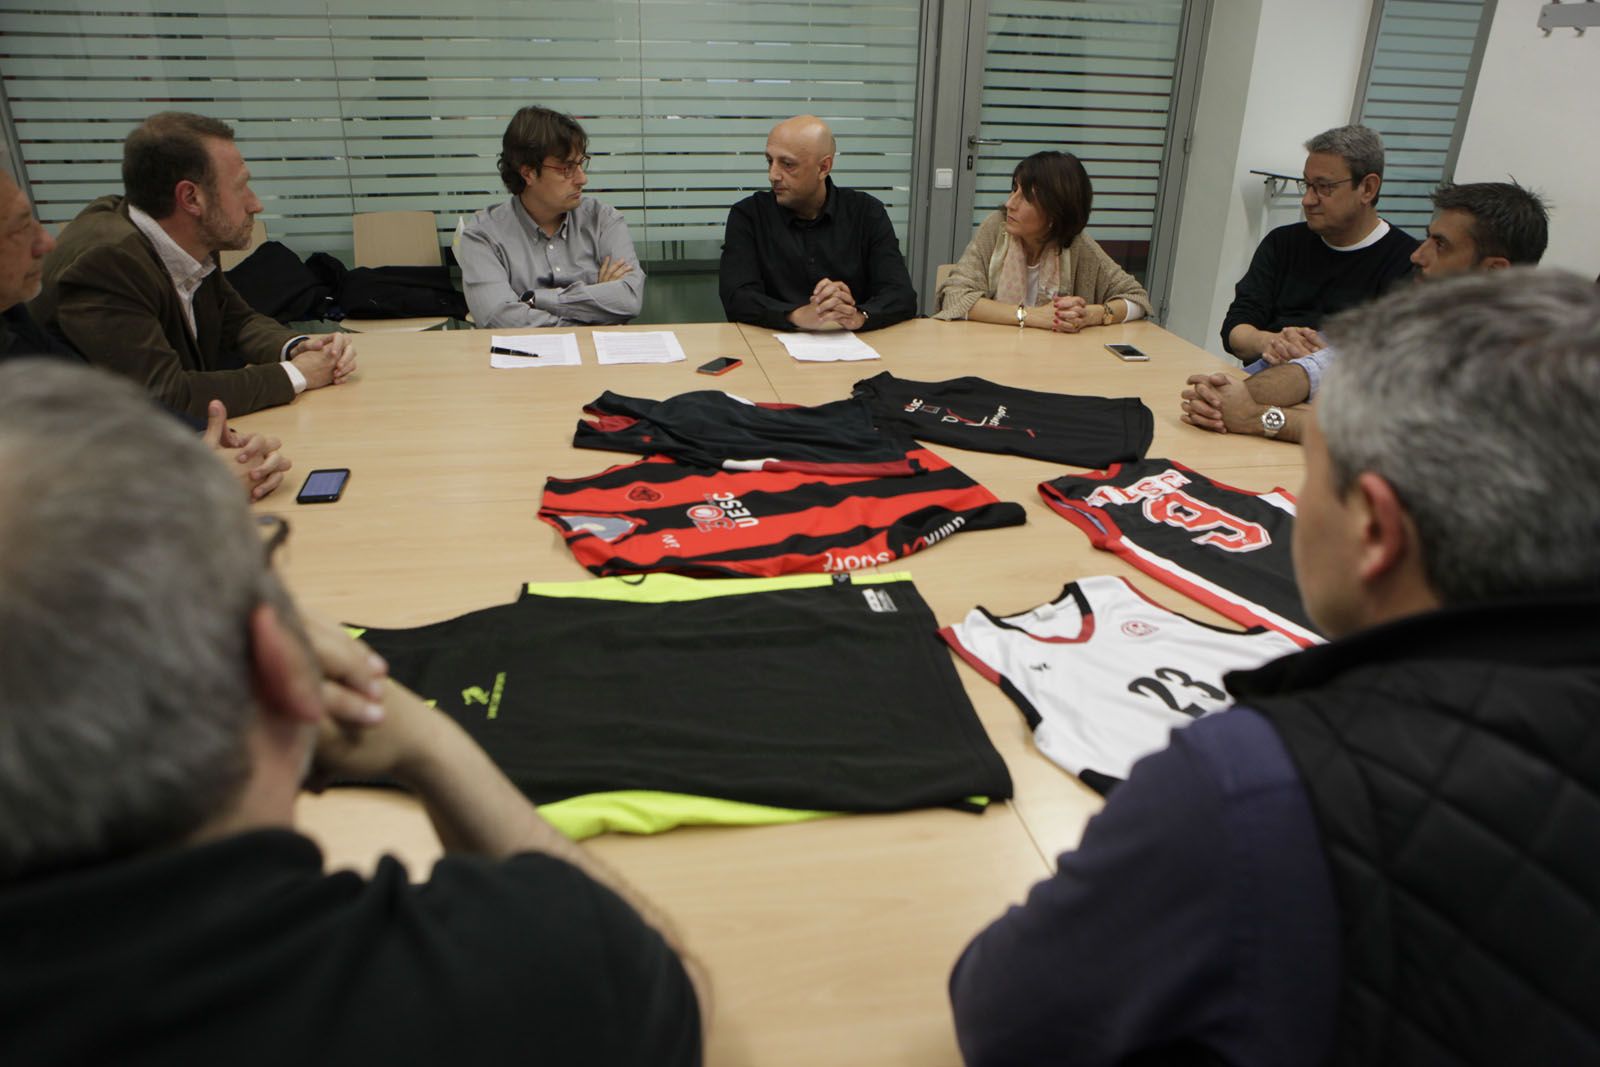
[
  {"x": 799, "y": 158},
  {"x": 23, "y": 245}
]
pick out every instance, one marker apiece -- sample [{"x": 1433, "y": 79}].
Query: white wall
[
  {"x": 1536, "y": 117},
  {"x": 1276, "y": 73}
]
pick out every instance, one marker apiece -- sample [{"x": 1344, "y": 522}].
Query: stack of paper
[
  {"x": 534, "y": 350},
  {"x": 616, "y": 346},
  {"x": 826, "y": 347}
]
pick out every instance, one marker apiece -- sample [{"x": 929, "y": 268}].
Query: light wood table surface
[{"x": 827, "y": 942}]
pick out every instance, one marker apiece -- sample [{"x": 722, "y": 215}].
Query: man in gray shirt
[{"x": 549, "y": 256}]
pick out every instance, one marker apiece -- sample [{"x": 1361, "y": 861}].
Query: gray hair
[
  {"x": 1474, "y": 397},
  {"x": 129, "y": 565},
  {"x": 1359, "y": 146}
]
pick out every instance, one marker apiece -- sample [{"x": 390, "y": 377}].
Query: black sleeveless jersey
[
  {"x": 714, "y": 429},
  {"x": 1083, "y": 431},
  {"x": 1226, "y": 547}
]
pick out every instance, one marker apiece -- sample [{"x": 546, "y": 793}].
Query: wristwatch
[
  {"x": 1022, "y": 316},
  {"x": 1273, "y": 420},
  {"x": 1107, "y": 318}
]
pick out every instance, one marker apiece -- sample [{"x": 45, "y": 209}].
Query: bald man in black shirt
[{"x": 809, "y": 255}]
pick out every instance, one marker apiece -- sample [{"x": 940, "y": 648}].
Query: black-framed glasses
[
  {"x": 274, "y": 530},
  {"x": 1322, "y": 188},
  {"x": 565, "y": 167}
]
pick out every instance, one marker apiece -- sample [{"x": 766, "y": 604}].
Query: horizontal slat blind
[
  {"x": 1420, "y": 67},
  {"x": 1094, "y": 79},
  {"x": 346, "y": 106}
]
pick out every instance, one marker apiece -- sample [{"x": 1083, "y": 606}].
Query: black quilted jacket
[{"x": 1453, "y": 761}]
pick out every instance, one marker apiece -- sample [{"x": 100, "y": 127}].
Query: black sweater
[{"x": 1295, "y": 279}]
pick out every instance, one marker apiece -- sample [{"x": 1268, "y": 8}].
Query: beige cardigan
[{"x": 1086, "y": 271}]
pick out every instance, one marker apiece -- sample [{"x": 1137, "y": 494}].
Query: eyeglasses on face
[
  {"x": 1322, "y": 188},
  {"x": 274, "y": 530},
  {"x": 565, "y": 167}
]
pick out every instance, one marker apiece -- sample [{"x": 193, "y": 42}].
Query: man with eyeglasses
[
  {"x": 1342, "y": 255},
  {"x": 1477, "y": 226},
  {"x": 549, "y": 256},
  {"x": 163, "y": 704}
]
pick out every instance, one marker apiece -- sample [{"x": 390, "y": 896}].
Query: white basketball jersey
[{"x": 1104, "y": 675}]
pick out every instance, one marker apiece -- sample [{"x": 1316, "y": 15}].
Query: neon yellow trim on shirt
[
  {"x": 355, "y": 631},
  {"x": 665, "y": 588},
  {"x": 648, "y": 811}
]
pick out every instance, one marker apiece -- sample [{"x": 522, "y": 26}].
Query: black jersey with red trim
[
  {"x": 715, "y": 429},
  {"x": 1228, "y": 548},
  {"x": 661, "y": 515},
  {"x": 1084, "y": 431},
  {"x": 835, "y": 696}
]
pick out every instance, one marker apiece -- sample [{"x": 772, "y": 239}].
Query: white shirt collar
[
  {"x": 1378, "y": 233},
  {"x": 187, "y": 272}
]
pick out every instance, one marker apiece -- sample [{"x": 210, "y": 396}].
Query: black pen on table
[{"x": 499, "y": 351}]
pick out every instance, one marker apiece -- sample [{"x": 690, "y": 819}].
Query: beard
[{"x": 220, "y": 234}]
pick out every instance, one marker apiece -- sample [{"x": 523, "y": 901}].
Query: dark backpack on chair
[
  {"x": 400, "y": 292},
  {"x": 274, "y": 282}
]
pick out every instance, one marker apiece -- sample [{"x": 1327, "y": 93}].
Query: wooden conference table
[{"x": 827, "y": 942}]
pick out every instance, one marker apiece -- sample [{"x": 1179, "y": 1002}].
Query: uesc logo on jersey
[
  {"x": 721, "y": 511},
  {"x": 1138, "y": 628},
  {"x": 1165, "y": 502}
]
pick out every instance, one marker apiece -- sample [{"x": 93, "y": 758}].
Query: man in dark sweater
[
  {"x": 1342, "y": 255},
  {"x": 809, "y": 255},
  {"x": 1383, "y": 852},
  {"x": 1480, "y": 226},
  {"x": 161, "y": 706},
  {"x": 133, "y": 284}
]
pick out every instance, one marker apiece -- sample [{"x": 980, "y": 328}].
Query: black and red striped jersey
[
  {"x": 661, "y": 515},
  {"x": 1228, "y": 548},
  {"x": 971, "y": 412},
  {"x": 716, "y": 429}
]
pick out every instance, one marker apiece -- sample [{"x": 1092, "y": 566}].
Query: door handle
[{"x": 974, "y": 141}]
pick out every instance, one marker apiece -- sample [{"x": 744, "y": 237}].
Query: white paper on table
[
  {"x": 539, "y": 350},
  {"x": 826, "y": 347},
  {"x": 648, "y": 346}
]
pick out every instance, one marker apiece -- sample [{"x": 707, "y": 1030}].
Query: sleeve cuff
[
  {"x": 1135, "y": 311},
  {"x": 296, "y": 379}
]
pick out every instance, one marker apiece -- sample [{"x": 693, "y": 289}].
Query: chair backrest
[
  {"x": 940, "y": 273},
  {"x": 231, "y": 258},
  {"x": 396, "y": 239}
]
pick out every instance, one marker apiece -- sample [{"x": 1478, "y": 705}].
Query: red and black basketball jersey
[
  {"x": 661, "y": 515},
  {"x": 715, "y": 429},
  {"x": 1084, "y": 431},
  {"x": 1226, "y": 547}
]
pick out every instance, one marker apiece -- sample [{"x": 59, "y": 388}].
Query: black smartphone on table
[
  {"x": 323, "y": 486},
  {"x": 719, "y": 366}
]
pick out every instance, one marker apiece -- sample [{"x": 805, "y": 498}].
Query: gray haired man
[
  {"x": 1342, "y": 255},
  {"x": 1384, "y": 851},
  {"x": 160, "y": 704}
]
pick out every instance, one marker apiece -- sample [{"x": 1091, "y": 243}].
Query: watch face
[{"x": 1272, "y": 420}]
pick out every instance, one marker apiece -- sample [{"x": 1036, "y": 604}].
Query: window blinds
[
  {"x": 1416, "y": 87},
  {"x": 345, "y": 106},
  {"x": 1094, "y": 79}
]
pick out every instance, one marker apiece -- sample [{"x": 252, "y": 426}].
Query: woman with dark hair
[{"x": 1031, "y": 264}]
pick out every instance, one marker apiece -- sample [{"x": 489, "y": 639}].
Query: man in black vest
[{"x": 1384, "y": 852}]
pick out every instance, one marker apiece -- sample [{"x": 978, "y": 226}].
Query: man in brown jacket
[{"x": 133, "y": 283}]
